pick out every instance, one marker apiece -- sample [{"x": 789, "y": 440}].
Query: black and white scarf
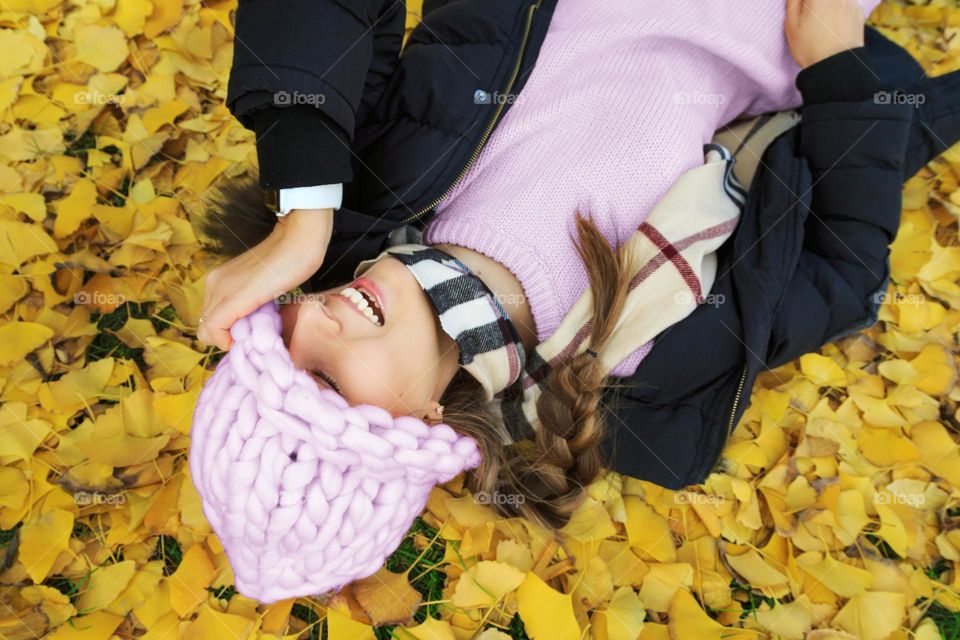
[{"x": 468, "y": 311}]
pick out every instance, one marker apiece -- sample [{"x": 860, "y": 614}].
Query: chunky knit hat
[{"x": 305, "y": 492}]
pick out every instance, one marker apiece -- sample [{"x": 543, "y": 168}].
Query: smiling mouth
[{"x": 365, "y": 302}]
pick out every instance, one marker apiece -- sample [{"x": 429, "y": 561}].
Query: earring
[{"x": 439, "y": 413}]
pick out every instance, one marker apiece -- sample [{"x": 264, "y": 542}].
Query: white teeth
[{"x": 361, "y": 303}]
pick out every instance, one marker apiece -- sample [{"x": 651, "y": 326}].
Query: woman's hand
[
  {"x": 285, "y": 259},
  {"x": 818, "y": 29}
]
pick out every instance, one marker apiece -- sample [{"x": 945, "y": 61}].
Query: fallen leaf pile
[{"x": 837, "y": 515}]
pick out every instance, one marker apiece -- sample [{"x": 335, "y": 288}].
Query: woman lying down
[{"x": 569, "y": 271}]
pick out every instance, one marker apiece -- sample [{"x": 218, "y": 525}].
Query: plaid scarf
[{"x": 673, "y": 264}]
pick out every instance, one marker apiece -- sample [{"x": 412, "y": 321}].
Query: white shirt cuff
[{"x": 324, "y": 196}]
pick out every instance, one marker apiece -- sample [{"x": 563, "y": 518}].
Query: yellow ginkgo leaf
[
  {"x": 17, "y": 339},
  {"x": 662, "y": 582},
  {"x": 12, "y": 289},
  {"x": 54, "y": 604},
  {"x": 433, "y": 629},
  {"x": 342, "y": 627},
  {"x": 621, "y": 619},
  {"x": 20, "y": 241},
  {"x": 792, "y": 620},
  {"x": 121, "y": 450},
  {"x": 139, "y": 589},
  {"x": 188, "y": 583},
  {"x": 387, "y": 597},
  {"x": 839, "y": 577},
  {"x": 593, "y": 585},
  {"x": 169, "y": 358},
  {"x": 213, "y": 623},
  {"x": 872, "y": 615},
  {"x": 42, "y": 540},
  {"x": 648, "y": 531},
  {"x": 38, "y": 109},
  {"x": 892, "y": 529},
  {"x": 26, "y": 144},
  {"x": 937, "y": 369},
  {"x": 758, "y": 571},
  {"x": 165, "y": 14},
  {"x": 822, "y": 371},
  {"x": 104, "y": 48},
  {"x": 546, "y": 614},
  {"x": 164, "y": 113},
  {"x": 23, "y": 53},
  {"x": 483, "y": 584},
  {"x": 30, "y": 204},
  {"x": 14, "y": 488},
  {"x": 76, "y": 389},
  {"x": 590, "y": 522},
  {"x": 689, "y": 620},
  {"x": 624, "y": 565},
  {"x": 886, "y": 447},
  {"x": 21, "y": 435},
  {"x": 938, "y": 451},
  {"x": 98, "y": 624},
  {"x": 105, "y": 585},
  {"x": 131, "y": 15},
  {"x": 75, "y": 208}
]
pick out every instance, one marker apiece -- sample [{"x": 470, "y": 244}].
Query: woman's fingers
[
  {"x": 292, "y": 252},
  {"x": 217, "y": 333}
]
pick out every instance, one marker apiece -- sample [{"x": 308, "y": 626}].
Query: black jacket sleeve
[
  {"x": 854, "y": 145},
  {"x": 304, "y": 73}
]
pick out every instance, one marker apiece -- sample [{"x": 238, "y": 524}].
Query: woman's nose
[
  {"x": 322, "y": 318},
  {"x": 305, "y": 321}
]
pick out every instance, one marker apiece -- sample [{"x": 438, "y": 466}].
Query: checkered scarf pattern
[{"x": 469, "y": 312}]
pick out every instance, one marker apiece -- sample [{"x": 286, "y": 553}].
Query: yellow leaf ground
[{"x": 836, "y": 515}]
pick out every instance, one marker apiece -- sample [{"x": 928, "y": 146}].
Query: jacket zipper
[
  {"x": 493, "y": 122},
  {"x": 736, "y": 401}
]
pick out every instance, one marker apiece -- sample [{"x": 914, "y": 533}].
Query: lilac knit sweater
[{"x": 623, "y": 97}]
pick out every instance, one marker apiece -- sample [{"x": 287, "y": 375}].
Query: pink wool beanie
[{"x": 305, "y": 492}]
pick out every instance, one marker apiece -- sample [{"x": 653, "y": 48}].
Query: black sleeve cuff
[
  {"x": 847, "y": 76},
  {"x": 300, "y": 146}
]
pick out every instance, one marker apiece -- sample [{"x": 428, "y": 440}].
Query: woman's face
[{"x": 401, "y": 365}]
